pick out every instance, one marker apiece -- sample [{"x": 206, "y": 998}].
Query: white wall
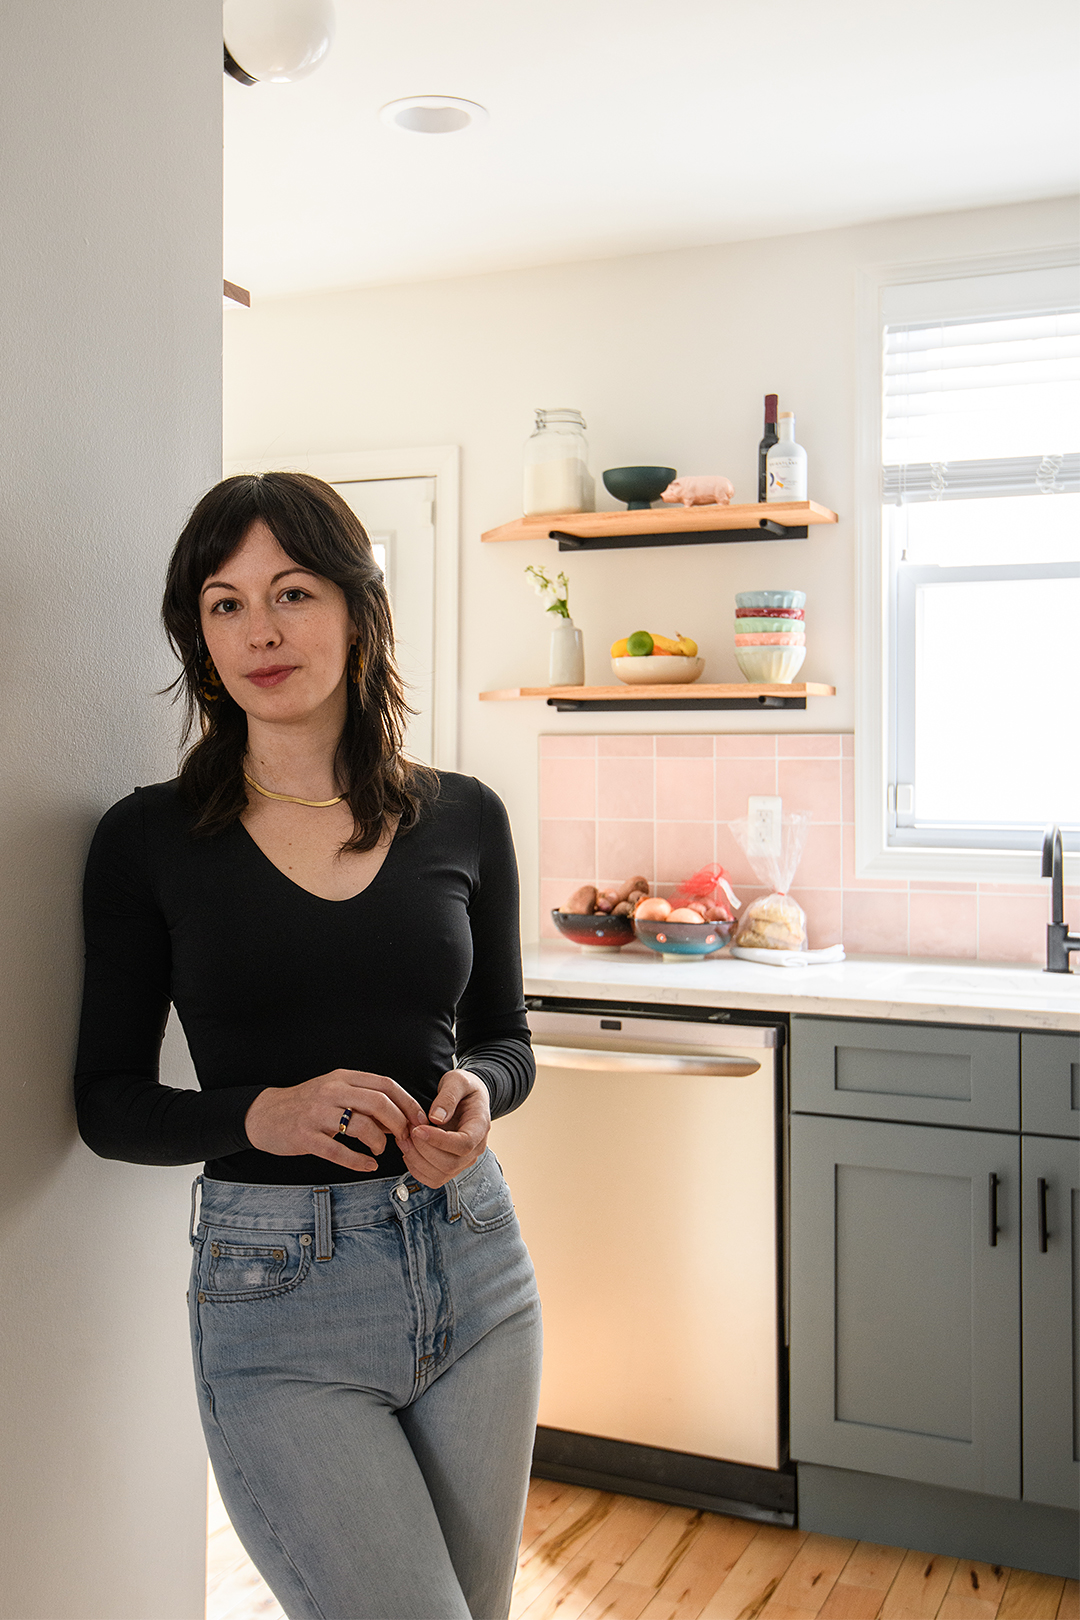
[
  {"x": 668, "y": 355},
  {"x": 110, "y": 262}
]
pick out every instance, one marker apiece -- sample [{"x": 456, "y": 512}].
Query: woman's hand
[
  {"x": 460, "y": 1121},
  {"x": 290, "y": 1120}
]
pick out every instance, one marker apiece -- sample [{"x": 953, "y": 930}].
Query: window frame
[{"x": 876, "y": 645}]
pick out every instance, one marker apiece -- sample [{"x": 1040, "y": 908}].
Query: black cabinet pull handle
[
  {"x": 1044, "y": 1234},
  {"x": 994, "y": 1227}
]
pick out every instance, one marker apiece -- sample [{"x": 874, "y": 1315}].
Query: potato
[
  {"x": 611, "y": 899},
  {"x": 685, "y": 914},
  {"x": 656, "y": 909},
  {"x": 582, "y": 903}
]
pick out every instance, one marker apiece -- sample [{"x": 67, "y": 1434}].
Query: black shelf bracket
[
  {"x": 643, "y": 705},
  {"x": 767, "y": 529}
]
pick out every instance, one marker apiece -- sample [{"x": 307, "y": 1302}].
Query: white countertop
[{"x": 915, "y": 988}]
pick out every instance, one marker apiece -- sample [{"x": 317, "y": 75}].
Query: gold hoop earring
[
  {"x": 211, "y": 687},
  {"x": 357, "y": 663}
]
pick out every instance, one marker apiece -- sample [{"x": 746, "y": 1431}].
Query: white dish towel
[{"x": 791, "y": 959}]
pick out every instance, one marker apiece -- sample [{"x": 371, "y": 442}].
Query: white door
[{"x": 399, "y": 516}]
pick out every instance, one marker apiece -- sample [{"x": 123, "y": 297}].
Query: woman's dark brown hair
[{"x": 314, "y": 526}]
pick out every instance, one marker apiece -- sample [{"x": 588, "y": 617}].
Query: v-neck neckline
[{"x": 324, "y": 899}]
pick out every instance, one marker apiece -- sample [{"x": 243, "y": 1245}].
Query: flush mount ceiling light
[
  {"x": 276, "y": 41},
  {"x": 433, "y": 115}
]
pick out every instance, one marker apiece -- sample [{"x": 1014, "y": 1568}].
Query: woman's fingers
[
  {"x": 436, "y": 1153},
  {"x": 380, "y": 1084},
  {"x": 328, "y": 1147}
]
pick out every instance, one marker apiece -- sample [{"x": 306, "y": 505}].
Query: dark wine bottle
[{"x": 771, "y": 438}]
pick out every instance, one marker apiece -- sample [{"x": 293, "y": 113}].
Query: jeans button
[{"x": 402, "y": 1193}]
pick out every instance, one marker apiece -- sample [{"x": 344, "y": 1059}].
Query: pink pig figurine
[{"x": 708, "y": 491}]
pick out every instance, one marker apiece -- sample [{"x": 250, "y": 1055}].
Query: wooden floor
[{"x": 586, "y": 1555}]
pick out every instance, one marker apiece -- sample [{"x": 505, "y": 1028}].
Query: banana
[{"x": 618, "y": 648}]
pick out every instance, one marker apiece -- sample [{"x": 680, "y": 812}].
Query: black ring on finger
[{"x": 344, "y": 1125}]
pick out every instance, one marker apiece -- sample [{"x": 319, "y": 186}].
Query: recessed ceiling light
[{"x": 433, "y": 115}]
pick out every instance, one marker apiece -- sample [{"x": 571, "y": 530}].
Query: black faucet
[{"x": 1059, "y": 942}]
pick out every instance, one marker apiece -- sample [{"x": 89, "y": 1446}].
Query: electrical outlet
[{"x": 763, "y": 813}]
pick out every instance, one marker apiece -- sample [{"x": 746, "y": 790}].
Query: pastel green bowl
[{"x": 638, "y": 486}]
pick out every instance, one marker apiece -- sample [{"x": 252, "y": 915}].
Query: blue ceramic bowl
[
  {"x": 676, "y": 941},
  {"x": 770, "y": 599},
  {"x": 595, "y": 931}
]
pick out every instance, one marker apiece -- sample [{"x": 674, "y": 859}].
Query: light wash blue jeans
[{"x": 368, "y": 1365}]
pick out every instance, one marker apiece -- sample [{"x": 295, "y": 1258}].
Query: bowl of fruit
[
  {"x": 697, "y": 921},
  {"x": 647, "y": 659}
]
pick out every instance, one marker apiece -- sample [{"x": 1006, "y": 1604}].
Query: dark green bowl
[{"x": 638, "y": 486}]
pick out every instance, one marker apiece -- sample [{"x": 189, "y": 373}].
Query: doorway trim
[{"x": 443, "y": 463}]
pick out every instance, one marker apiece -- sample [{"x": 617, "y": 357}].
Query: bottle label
[{"x": 787, "y": 478}]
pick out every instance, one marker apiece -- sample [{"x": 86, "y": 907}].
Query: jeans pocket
[
  {"x": 484, "y": 1197},
  {"x": 234, "y": 1266}
]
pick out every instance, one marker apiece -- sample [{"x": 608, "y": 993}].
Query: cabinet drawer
[
  {"x": 1050, "y": 1084},
  {"x": 921, "y": 1073}
]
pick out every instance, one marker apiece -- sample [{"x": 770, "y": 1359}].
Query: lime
[{"x": 640, "y": 644}]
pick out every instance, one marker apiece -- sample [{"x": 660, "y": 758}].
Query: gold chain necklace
[{"x": 288, "y": 798}]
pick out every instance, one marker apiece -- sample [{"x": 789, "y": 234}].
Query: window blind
[{"x": 982, "y": 406}]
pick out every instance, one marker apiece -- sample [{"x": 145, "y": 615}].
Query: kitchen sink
[{"x": 982, "y": 981}]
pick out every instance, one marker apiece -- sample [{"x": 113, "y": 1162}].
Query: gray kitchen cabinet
[
  {"x": 1050, "y": 1084},
  {"x": 1051, "y": 1320},
  {"x": 929, "y": 1074},
  {"x": 905, "y": 1301}
]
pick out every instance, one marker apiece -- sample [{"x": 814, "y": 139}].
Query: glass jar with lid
[{"x": 557, "y": 477}]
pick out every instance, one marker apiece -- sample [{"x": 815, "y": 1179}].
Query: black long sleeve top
[{"x": 274, "y": 985}]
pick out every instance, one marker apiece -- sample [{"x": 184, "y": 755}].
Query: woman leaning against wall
[{"x": 337, "y": 929}]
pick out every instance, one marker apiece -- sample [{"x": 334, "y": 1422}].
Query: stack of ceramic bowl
[{"x": 770, "y": 635}]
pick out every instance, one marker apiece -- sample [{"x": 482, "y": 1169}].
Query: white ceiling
[{"x": 621, "y": 126}]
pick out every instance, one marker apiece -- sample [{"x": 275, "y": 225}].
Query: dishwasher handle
[{"x": 586, "y": 1057}]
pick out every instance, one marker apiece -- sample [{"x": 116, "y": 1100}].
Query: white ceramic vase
[{"x": 567, "y": 666}]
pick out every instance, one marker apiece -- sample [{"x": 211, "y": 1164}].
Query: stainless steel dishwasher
[{"x": 645, "y": 1168}]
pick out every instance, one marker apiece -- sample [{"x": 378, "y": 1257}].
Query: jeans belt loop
[
  {"x": 196, "y": 1208},
  {"x": 324, "y": 1238},
  {"x": 453, "y": 1204}
]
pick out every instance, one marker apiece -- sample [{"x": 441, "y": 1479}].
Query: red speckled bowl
[{"x": 597, "y": 932}]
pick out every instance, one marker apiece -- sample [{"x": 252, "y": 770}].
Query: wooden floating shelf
[
  {"x": 668, "y": 526},
  {"x": 734, "y": 695}
]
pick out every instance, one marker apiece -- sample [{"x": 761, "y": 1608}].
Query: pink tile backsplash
[
  {"x": 624, "y": 789},
  {"x": 684, "y": 789},
  {"x": 943, "y": 924},
  {"x": 612, "y": 807},
  {"x": 1012, "y": 927},
  {"x": 624, "y": 849},
  {"x": 568, "y": 787},
  {"x": 807, "y": 747},
  {"x": 736, "y": 779},
  {"x": 684, "y": 747},
  {"x": 812, "y": 784},
  {"x": 682, "y": 848}
]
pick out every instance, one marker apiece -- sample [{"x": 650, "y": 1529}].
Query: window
[{"x": 976, "y": 530}]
